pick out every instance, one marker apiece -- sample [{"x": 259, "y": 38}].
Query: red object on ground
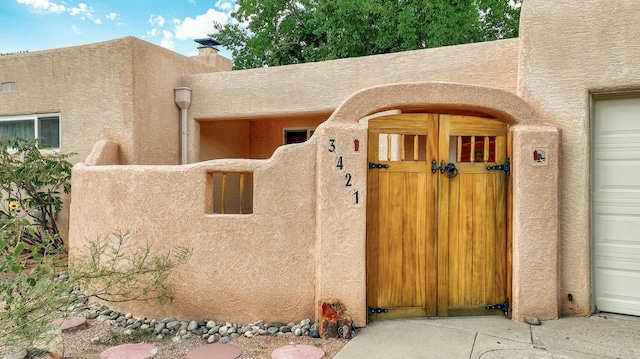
[
  {"x": 328, "y": 312},
  {"x": 297, "y": 352},
  {"x": 130, "y": 351},
  {"x": 71, "y": 324},
  {"x": 215, "y": 351}
]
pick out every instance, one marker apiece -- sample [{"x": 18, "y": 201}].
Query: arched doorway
[{"x": 437, "y": 238}]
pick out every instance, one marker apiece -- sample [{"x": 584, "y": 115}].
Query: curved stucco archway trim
[
  {"x": 438, "y": 97},
  {"x": 341, "y": 224}
]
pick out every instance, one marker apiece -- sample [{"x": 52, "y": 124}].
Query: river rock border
[{"x": 207, "y": 329}]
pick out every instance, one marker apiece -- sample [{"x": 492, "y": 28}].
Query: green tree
[
  {"x": 31, "y": 184},
  {"x": 37, "y": 285},
  {"x": 281, "y": 32}
]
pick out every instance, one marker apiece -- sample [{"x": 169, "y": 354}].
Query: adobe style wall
[
  {"x": 306, "y": 239},
  {"x": 316, "y": 89},
  {"x": 243, "y": 267},
  {"x": 119, "y": 90},
  {"x": 569, "y": 52}
]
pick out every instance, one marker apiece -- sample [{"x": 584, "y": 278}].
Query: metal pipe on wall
[{"x": 182, "y": 97}]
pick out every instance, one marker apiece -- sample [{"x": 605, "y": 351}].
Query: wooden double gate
[{"x": 437, "y": 223}]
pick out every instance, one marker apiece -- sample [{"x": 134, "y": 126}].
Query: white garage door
[{"x": 616, "y": 204}]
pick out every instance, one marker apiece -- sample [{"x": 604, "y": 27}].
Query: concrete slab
[
  {"x": 404, "y": 339},
  {"x": 488, "y": 346},
  {"x": 497, "y": 326},
  {"x": 598, "y": 337},
  {"x": 611, "y": 337}
]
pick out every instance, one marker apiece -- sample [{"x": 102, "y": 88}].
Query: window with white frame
[
  {"x": 45, "y": 126},
  {"x": 296, "y": 135}
]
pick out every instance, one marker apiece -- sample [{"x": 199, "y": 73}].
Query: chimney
[{"x": 208, "y": 54}]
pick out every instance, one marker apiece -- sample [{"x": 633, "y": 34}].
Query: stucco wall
[
  {"x": 224, "y": 139},
  {"x": 119, "y": 90},
  {"x": 316, "y": 89},
  {"x": 243, "y": 267},
  {"x": 156, "y": 119},
  {"x": 569, "y": 51}
]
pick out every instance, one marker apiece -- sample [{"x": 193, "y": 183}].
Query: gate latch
[
  {"x": 450, "y": 168},
  {"x": 377, "y": 165},
  {"x": 504, "y": 167},
  {"x": 376, "y": 310},
  {"x": 504, "y": 307}
]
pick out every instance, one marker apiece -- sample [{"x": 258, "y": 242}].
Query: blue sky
[{"x": 31, "y": 25}]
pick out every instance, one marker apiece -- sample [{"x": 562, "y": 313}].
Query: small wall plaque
[{"x": 540, "y": 156}]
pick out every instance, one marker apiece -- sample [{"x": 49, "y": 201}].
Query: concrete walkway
[{"x": 493, "y": 337}]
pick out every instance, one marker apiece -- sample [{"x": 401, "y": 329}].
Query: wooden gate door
[
  {"x": 436, "y": 244},
  {"x": 401, "y": 230},
  {"x": 472, "y": 216}
]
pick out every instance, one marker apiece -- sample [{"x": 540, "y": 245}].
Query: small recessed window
[
  {"x": 296, "y": 135},
  {"x": 46, "y": 127},
  {"x": 9, "y": 87}
]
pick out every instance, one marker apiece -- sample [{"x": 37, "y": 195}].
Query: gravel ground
[{"x": 77, "y": 345}]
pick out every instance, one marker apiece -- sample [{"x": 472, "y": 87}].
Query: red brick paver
[
  {"x": 130, "y": 351},
  {"x": 215, "y": 351},
  {"x": 297, "y": 352}
]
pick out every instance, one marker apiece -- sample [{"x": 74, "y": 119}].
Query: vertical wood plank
[
  {"x": 395, "y": 243},
  {"x": 384, "y": 290},
  {"x": 443, "y": 229},
  {"x": 410, "y": 251},
  {"x": 431, "y": 224},
  {"x": 373, "y": 220},
  {"x": 242, "y": 193},
  {"x": 421, "y": 246},
  {"x": 455, "y": 290},
  {"x": 478, "y": 240},
  {"x": 492, "y": 239},
  {"x": 486, "y": 149},
  {"x": 224, "y": 192},
  {"x": 501, "y": 219},
  {"x": 472, "y": 150},
  {"x": 509, "y": 222},
  {"x": 465, "y": 231}
]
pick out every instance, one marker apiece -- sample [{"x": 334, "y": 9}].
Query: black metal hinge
[
  {"x": 504, "y": 167},
  {"x": 376, "y": 310},
  {"x": 377, "y": 165},
  {"x": 504, "y": 307}
]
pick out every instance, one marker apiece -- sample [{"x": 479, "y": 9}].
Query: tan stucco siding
[
  {"x": 568, "y": 52},
  {"x": 320, "y": 87},
  {"x": 84, "y": 84},
  {"x": 243, "y": 267},
  {"x": 156, "y": 72}
]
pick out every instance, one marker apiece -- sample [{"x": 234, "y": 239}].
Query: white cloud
[
  {"x": 167, "y": 40},
  {"x": 226, "y": 5},
  {"x": 201, "y": 26},
  {"x": 192, "y": 2},
  {"x": 112, "y": 16},
  {"x": 43, "y": 6},
  {"x": 85, "y": 12},
  {"x": 76, "y": 29},
  {"x": 157, "y": 20},
  {"x": 153, "y": 32}
]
